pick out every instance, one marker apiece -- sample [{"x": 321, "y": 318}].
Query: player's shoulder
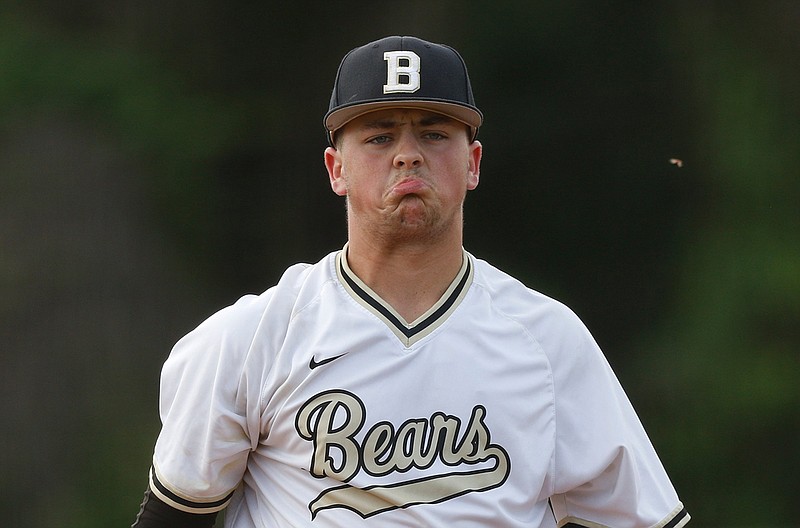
[
  {"x": 239, "y": 321},
  {"x": 514, "y": 298},
  {"x": 554, "y": 327}
]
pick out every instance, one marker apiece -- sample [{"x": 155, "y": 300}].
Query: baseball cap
[{"x": 402, "y": 72}]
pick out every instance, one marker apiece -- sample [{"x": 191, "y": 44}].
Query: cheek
[
  {"x": 351, "y": 177},
  {"x": 356, "y": 185}
]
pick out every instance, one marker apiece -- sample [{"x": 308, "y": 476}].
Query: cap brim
[{"x": 471, "y": 117}]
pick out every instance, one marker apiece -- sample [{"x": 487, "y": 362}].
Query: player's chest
[{"x": 471, "y": 390}]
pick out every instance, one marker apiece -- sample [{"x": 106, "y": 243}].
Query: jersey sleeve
[
  {"x": 210, "y": 409},
  {"x": 606, "y": 471}
]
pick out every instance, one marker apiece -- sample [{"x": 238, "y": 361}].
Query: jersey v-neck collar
[{"x": 407, "y": 333}]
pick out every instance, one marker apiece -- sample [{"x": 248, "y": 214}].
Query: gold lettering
[
  {"x": 331, "y": 420},
  {"x": 316, "y": 421},
  {"x": 377, "y": 443}
]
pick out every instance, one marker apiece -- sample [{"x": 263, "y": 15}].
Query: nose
[{"x": 408, "y": 154}]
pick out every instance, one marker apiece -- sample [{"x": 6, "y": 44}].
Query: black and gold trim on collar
[{"x": 408, "y": 333}]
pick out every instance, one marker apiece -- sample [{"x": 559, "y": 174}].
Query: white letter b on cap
[{"x": 395, "y": 72}]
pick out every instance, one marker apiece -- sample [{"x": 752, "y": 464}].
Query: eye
[
  {"x": 436, "y": 136},
  {"x": 379, "y": 140}
]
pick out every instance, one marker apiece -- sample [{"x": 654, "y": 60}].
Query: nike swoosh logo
[{"x": 314, "y": 363}]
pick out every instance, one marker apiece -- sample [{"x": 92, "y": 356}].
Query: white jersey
[{"x": 315, "y": 404}]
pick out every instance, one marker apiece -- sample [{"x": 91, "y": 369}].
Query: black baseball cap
[{"x": 402, "y": 72}]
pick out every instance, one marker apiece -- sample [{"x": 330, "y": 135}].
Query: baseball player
[{"x": 400, "y": 381}]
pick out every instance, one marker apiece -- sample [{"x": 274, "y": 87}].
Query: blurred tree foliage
[{"x": 158, "y": 159}]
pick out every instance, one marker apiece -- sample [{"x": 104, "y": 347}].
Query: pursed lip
[{"x": 409, "y": 186}]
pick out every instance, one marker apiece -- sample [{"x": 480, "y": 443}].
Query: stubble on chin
[{"x": 414, "y": 222}]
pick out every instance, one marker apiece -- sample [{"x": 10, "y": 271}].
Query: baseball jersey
[{"x": 316, "y": 404}]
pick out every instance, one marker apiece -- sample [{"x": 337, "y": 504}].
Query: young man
[{"x": 400, "y": 381}]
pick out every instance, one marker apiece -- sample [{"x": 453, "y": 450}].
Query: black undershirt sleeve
[{"x": 156, "y": 513}]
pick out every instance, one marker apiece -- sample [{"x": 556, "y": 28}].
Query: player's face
[{"x": 404, "y": 172}]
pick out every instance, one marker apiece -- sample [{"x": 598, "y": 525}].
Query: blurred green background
[{"x": 159, "y": 159}]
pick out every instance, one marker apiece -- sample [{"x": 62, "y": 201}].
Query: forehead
[{"x": 396, "y": 117}]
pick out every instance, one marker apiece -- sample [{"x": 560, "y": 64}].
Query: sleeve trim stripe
[
  {"x": 184, "y": 504},
  {"x": 679, "y": 518}
]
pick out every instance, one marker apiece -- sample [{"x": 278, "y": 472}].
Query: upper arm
[
  {"x": 210, "y": 408},
  {"x": 607, "y": 472}
]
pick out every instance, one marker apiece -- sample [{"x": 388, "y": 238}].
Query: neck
[{"x": 410, "y": 277}]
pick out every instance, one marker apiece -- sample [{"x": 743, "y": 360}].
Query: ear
[
  {"x": 475, "y": 153},
  {"x": 333, "y": 162}
]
